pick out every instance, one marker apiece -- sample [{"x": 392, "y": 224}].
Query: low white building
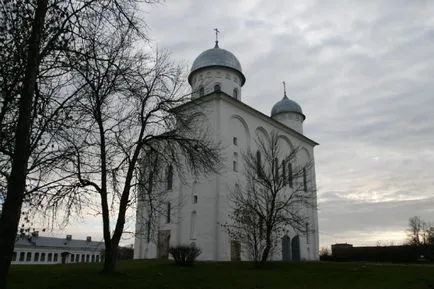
[
  {"x": 198, "y": 208},
  {"x": 48, "y": 250}
]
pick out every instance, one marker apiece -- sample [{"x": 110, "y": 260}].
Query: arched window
[
  {"x": 169, "y": 177},
  {"x": 36, "y": 257},
  {"x": 235, "y": 93},
  {"x": 193, "y": 225},
  {"x": 290, "y": 174},
  {"x": 276, "y": 168},
  {"x": 258, "y": 162},
  {"x": 42, "y": 257},
  {"x": 201, "y": 91},
  {"x": 169, "y": 212},
  {"x": 217, "y": 87}
]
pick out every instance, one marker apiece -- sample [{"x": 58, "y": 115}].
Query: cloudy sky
[{"x": 362, "y": 72}]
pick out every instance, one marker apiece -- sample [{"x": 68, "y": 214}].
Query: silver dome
[
  {"x": 286, "y": 105},
  {"x": 217, "y": 57}
]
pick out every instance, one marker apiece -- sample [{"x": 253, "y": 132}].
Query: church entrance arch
[
  {"x": 295, "y": 248},
  {"x": 286, "y": 248}
]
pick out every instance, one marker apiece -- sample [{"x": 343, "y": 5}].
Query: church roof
[
  {"x": 217, "y": 57},
  {"x": 286, "y": 105}
]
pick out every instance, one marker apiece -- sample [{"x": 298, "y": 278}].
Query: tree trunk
[
  {"x": 268, "y": 245},
  {"x": 11, "y": 212},
  {"x": 110, "y": 258}
]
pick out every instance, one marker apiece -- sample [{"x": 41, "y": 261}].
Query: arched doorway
[
  {"x": 286, "y": 248},
  {"x": 295, "y": 248}
]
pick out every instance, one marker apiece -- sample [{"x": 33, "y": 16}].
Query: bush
[{"x": 184, "y": 255}]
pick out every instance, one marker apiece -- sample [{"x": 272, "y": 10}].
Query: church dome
[
  {"x": 286, "y": 105},
  {"x": 216, "y": 57}
]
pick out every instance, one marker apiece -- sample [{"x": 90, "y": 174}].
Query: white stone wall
[
  {"x": 292, "y": 120},
  {"x": 228, "y": 80}
]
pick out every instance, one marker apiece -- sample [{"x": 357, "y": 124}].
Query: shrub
[{"x": 184, "y": 255}]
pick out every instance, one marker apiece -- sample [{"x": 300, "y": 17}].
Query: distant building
[
  {"x": 47, "y": 250},
  {"x": 398, "y": 254}
]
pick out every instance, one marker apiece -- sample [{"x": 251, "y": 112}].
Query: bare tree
[
  {"x": 35, "y": 35},
  {"x": 419, "y": 232},
  {"x": 274, "y": 197},
  {"x": 129, "y": 109}
]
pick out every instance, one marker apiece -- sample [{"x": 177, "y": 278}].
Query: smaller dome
[{"x": 286, "y": 105}]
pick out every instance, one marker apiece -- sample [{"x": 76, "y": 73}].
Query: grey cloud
[{"x": 362, "y": 73}]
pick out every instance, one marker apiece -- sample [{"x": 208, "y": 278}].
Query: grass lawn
[{"x": 209, "y": 275}]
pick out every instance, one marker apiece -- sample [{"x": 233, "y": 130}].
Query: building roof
[
  {"x": 286, "y": 105},
  {"x": 217, "y": 57},
  {"x": 61, "y": 243}
]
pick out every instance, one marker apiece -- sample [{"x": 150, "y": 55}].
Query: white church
[{"x": 198, "y": 207}]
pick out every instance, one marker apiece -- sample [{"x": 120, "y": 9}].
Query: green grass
[{"x": 155, "y": 274}]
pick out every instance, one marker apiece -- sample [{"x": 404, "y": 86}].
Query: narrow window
[
  {"x": 169, "y": 177},
  {"x": 195, "y": 199},
  {"x": 22, "y": 256},
  {"x": 283, "y": 171},
  {"x": 290, "y": 174},
  {"x": 193, "y": 225},
  {"x": 235, "y": 141},
  {"x": 201, "y": 91},
  {"x": 304, "y": 180},
  {"x": 276, "y": 169},
  {"x": 50, "y": 257},
  {"x": 168, "y": 213},
  {"x": 36, "y": 257},
  {"x": 217, "y": 88},
  {"x": 82, "y": 258},
  {"x": 14, "y": 256},
  {"x": 235, "y": 93},
  {"x": 42, "y": 257},
  {"x": 235, "y": 162},
  {"x": 28, "y": 257},
  {"x": 258, "y": 162},
  {"x": 148, "y": 230},
  {"x": 55, "y": 257},
  {"x": 93, "y": 258},
  {"x": 307, "y": 233}
]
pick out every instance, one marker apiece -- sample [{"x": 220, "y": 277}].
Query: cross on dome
[{"x": 216, "y": 37}]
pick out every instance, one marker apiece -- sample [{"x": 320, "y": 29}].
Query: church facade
[{"x": 198, "y": 208}]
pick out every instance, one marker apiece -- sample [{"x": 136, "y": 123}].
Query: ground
[{"x": 213, "y": 275}]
